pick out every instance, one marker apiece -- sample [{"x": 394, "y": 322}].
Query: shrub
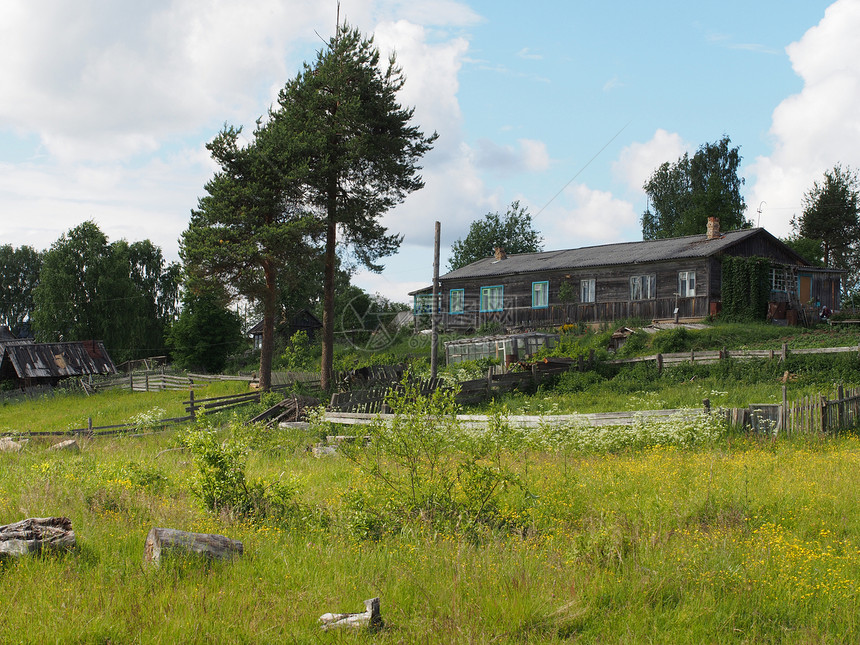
[{"x": 424, "y": 466}]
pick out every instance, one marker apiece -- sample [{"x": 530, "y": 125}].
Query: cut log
[
  {"x": 69, "y": 444},
  {"x": 9, "y": 445},
  {"x": 182, "y": 542},
  {"x": 36, "y": 534},
  {"x": 370, "y": 618}
]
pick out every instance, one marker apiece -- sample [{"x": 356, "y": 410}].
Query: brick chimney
[
  {"x": 500, "y": 253},
  {"x": 713, "y": 228}
]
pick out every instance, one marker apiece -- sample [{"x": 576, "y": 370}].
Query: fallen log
[
  {"x": 10, "y": 445},
  {"x": 36, "y": 534},
  {"x": 205, "y": 544},
  {"x": 370, "y": 618}
]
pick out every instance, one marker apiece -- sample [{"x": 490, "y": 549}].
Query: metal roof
[{"x": 691, "y": 246}]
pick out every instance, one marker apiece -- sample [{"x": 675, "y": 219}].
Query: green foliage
[
  {"x": 566, "y": 292},
  {"x": 684, "y": 194},
  {"x": 831, "y": 215},
  {"x": 745, "y": 287},
  {"x": 19, "y": 275},
  {"x": 514, "y": 232},
  {"x": 576, "y": 381},
  {"x": 635, "y": 344},
  {"x": 490, "y": 328},
  {"x": 671, "y": 340},
  {"x": 299, "y": 353},
  {"x": 205, "y": 333},
  {"x": 424, "y": 466},
  {"x": 221, "y": 484},
  {"x": 349, "y": 148},
  {"x": 123, "y": 294}
]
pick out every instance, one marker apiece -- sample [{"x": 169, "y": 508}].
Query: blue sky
[{"x": 565, "y": 106}]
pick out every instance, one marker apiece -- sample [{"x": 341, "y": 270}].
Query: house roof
[
  {"x": 56, "y": 360},
  {"x": 300, "y": 318},
  {"x": 691, "y": 246}
]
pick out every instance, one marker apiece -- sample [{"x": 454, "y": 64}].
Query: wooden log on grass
[
  {"x": 36, "y": 534},
  {"x": 181, "y": 542}
]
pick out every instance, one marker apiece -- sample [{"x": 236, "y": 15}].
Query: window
[
  {"x": 540, "y": 295},
  {"x": 423, "y": 304},
  {"x": 643, "y": 287},
  {"x": 687, "y": 284},
  {"x": 492, "y": 298},
  {"x": 779, "y": 279},
  {"x": 456, "y": 301},
  {"x": 586, "y": 290}
]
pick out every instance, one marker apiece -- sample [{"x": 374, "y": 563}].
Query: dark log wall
[{"x": 612, "y": 295}]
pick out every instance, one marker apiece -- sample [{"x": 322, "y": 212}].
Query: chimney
[
  {"x": 713, "y": 228},
  {"x": 500, "y": 253}
]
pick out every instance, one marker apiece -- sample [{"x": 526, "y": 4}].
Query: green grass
[
  {"x": 69, "y": 411},
  {"x": 744, "y": 541}
]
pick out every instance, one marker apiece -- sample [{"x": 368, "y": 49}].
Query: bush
[
  {"x": 573, "y": 381},
  {"x": 423, "y": 466},
  {"x": 671, "y": 341}
]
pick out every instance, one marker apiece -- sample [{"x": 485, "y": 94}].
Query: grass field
[{"x": 724, "y": 539}]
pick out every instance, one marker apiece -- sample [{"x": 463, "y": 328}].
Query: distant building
[
  {"x": 302, "y": 320},
  {"x": 648, "y": 279},
  {"x": 27, "y": 363}
]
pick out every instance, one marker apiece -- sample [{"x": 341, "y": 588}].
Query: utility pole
[{"x": 434, "y": 315}]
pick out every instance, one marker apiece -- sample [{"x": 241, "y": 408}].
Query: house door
[{"x": 805, "y": 289}]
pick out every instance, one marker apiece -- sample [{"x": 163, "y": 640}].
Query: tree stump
[
  {"x": 172, "y": 540},
  {"x": 370, "y": 618},
  {"x": 36, "y": 534}
]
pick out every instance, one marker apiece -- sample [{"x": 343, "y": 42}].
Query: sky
[{"x": 565, "y": 105}]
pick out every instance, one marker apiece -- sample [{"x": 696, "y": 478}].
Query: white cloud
[
  {"x": 586, "y": 216},
  {"x": 817, "y": 128},
  {"x": 638, "y": 161}
]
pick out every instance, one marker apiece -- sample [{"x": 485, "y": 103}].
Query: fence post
[
  {"x": 784, "y": 354},
  {"x": 823, "y": 414},
  {"x": 131, "y": 381},
  {"x": 784, "y": 412},
  {"x": 659, "y": 363},
  {"x": 706, "y": 404},
  {"x": 840, "y": 407},
  {"x": 191, "y": 402},
  {"x": 90, "y": 426},
  {"x": 146, "y": 380}
]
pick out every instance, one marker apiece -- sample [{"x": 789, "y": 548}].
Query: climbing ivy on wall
[{"x": 746, "y": 287}]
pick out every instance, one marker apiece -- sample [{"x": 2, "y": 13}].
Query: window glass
[
  {"x": 586, "y": 290},
  {"x": 643, "y": 287},
  {"x": 540, "y": 295},
  {"x": 457, "y": 301},
  {"x": 687, "y": 284},
  {"x": 492, "y": 298}
]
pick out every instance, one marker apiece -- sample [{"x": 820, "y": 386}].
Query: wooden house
[
  {"x": 653, "y": 279},
  {"x": 302, "y": 320}
]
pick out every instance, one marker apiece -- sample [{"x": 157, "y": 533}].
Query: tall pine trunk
[
  {"x": 327, "y": 360},
  {"x": 269, "y": 311}
]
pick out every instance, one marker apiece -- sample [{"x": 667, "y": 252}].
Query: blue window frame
[
  {"x": 456, "y": 301},
  {"x": 492, "y": 298},
  {"x": 540, "y": 294}
]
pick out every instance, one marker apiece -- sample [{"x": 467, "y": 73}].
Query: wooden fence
[
  {"x": 160, "y": 380},
  {"x": 809, "y": 415},
  {"x": 372, "y": 400},
  {"x": 716, "y": 356}
]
